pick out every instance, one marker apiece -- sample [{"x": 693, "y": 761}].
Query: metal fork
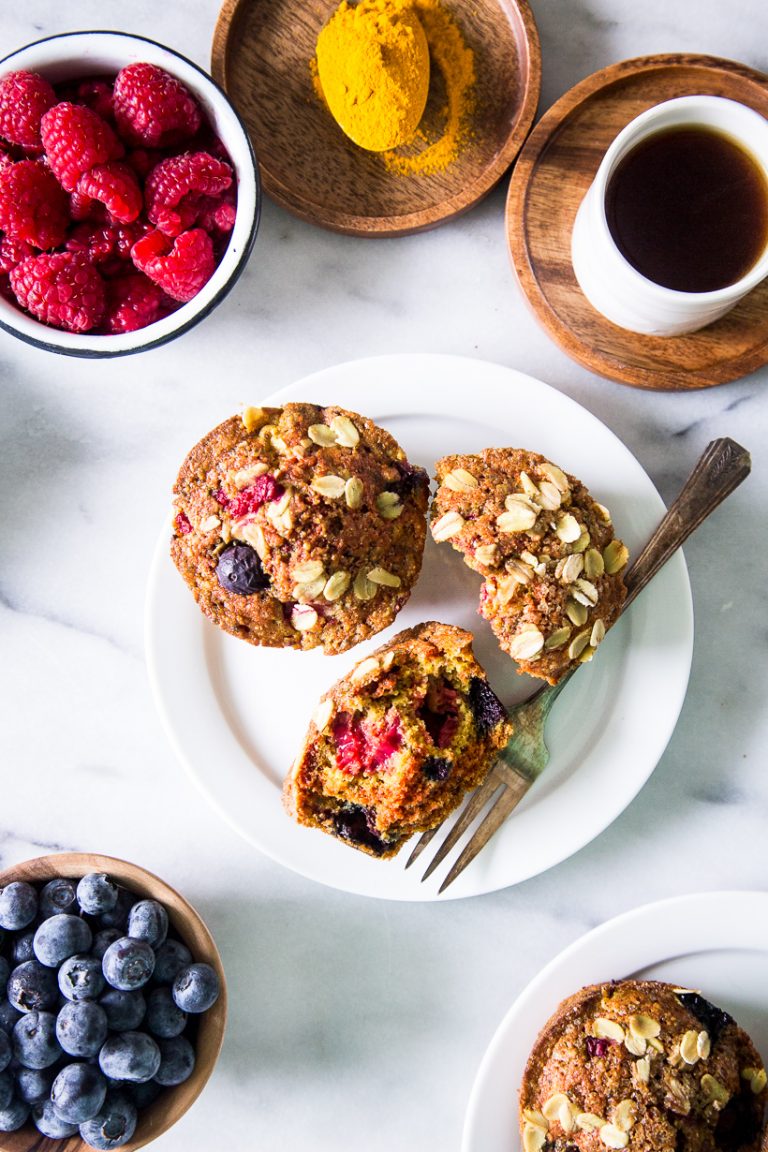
[{"x": 722, "y": 467}]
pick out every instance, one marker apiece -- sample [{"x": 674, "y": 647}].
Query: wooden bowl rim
[
  {"x": 665, "y": 378},
  {"x": 74, "y": 865},
  {"x": 408, "y": 223}
]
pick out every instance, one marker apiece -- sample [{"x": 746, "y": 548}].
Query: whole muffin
[
  {"x": 552, "y": 565},
  {"x": 646, "y": 1066},
  {"x": 395, "y": 744},
  {"x": 300, "y": 526}
]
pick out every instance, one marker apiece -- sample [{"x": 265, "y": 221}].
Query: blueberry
[
  {"x": 78, "y": 1092},
  {"x": 47, "y": 1120},
  {"x": 6, "y": 1051},
  {"x": 436, "y": 768},
  {"x": 239, "y": 570},
  {"x": 144, "y": 1094},
  {"x": 34, "y": 1040},
  {"x": 33, "y": 1085},
  {"x": 714, "y": 1019},
  {"x": 487, "y": 709},
  {"x": 6, "y": 1089},
  {"x": 96, "y": 894},
  {"x": 130, "y": 1056},
  {"x": 81, "y": 978},
  {"x": 18, "y": 905},
  {"x": 22, "y": 948},
  {"x": 59, "y": 895},
  {"x": 5, "y": 971},
  {"x": 81, "y": 1028},
  {"x": 8, "y": 1016},
  {"x": 103, "y": 939},
  {"x": 357, "y": 825},
  {"x": 196, "y": 988},
  {"x": 14, "y": 1116},
  {"x": 60, "y": 937},
  {"x": 148, "y": 920},
  {"x": 128, "y": 963},
  {"x": 164, "y": 1017},
  {"x": 113, "y": 1126},
  {"x": 177, "y": 1061},
  {"x": 31, "y": 987},
  {"x": 170, "y": 958},
  {"x": 125, "y": 1010},
  {"x": 118, "y": 916}
]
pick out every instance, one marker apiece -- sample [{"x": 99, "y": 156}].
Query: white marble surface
[{"x": 354, "y": 1023}]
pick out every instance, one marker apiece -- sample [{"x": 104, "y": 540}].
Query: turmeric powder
[{"x": 373, "y": 67}]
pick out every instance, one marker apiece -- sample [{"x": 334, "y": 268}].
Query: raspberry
[
  {"x": 32, "y": 205},
  {"x": 142, "y": 160},
  {"x": 350, "y": 743},
  {"x": 96, "y": 94},
  {"x": 182, "y": 524},
  {"x": 75, "y": 139},
  {"x": 24, "y": 98},
  {"x": 174, "y": 187},
  {"x": 12, "y": 252},
  {"x": 133, "y": 301},
  {"x": 94, "y": 242},
  {"x": 217, "y": 213},
  {"x": 61, "y": 289},
  {"x": 154, "y": 108},
  {"x": 262, "y": 491},
  {"x": 116, "y": 186},
  {"x": 180, "y": 270}
]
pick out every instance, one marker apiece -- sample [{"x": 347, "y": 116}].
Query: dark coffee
[{"x": 688, "y": 208}]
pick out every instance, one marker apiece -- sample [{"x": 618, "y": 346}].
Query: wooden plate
[
  {"x": 172, "y": 1103},
  {"x": 552, "y": 174},
  {"x": 261, "y": 55}
]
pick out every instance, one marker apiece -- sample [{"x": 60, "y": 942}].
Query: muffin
[
  {"x": 395, "y": 744},
  {"x": 300, "y": 526},
  {"x": 552, "y": 565},
  {"x": 642, "y": 1065}
]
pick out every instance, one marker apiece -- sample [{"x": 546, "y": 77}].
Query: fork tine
[
  {"x": 421, "y": 844},
  {"x": 474, "y": 807},
  {"x": 505, "y": 802}
]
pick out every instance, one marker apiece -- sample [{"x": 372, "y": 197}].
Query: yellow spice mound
[{"x": 373, "y": 66}]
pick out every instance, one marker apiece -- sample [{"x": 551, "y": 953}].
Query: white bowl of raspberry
[{"x": 129, "y": 194}]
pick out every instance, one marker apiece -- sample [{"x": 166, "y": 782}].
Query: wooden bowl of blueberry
[{"x": 112, "y": 1005}]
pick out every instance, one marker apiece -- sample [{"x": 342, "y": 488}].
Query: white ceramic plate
[
  {"x": 236, "y": 714},
  {"x": 713, "y": 941}
]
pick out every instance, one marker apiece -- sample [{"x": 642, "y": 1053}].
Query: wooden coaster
[
  {"x": 261, "y": 55},
  {"x": 552, "y": 174}
]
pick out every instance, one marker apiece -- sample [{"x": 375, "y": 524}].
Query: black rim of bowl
[{"x": 237, "y": 271}]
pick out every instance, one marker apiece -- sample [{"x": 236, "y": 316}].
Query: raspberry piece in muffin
[
  {"x": 552, "y": 565},
  {"x": 395, "y": 744},
  {"x": 646, "y": 1066},
  {"x": 331, "y": 511}
]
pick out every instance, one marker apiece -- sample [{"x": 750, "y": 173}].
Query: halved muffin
[
  {"x": 552, "y": 565},
  {"x": 395, "y": 744}
]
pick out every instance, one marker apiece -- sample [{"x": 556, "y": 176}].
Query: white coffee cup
[{"x": 610, "y": 283}]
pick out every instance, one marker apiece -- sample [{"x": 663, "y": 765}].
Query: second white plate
[
  {"x": 236, "y": 714},
  {"x": 713, "y": 941}
]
